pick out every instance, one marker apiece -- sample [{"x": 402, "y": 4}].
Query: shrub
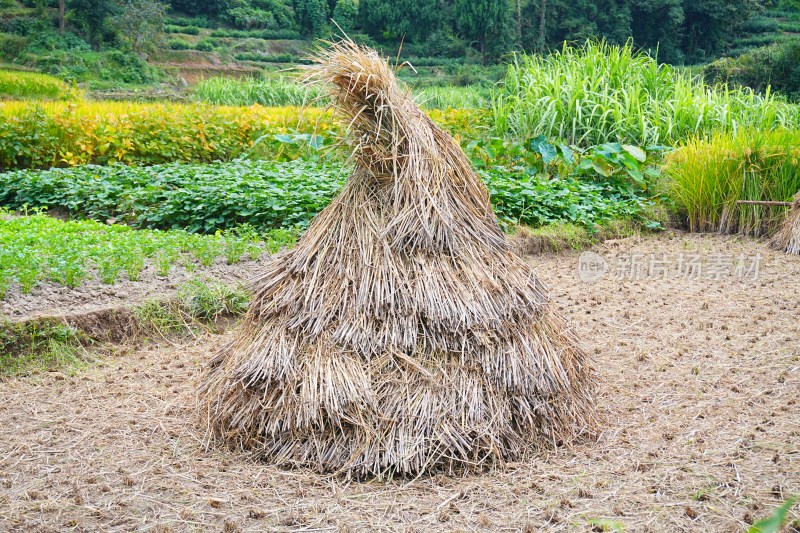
[
  {"x": 760, "y": 25},
  {"x": 598, "y": 93},
  {"x": 262, "y": 58},
  {"x": 206, "y": 45},
  {"x": 179, "y": 44},
  {"x": 199, "y": 22},
  {"x": 69, "y": 57},
  {"x": 187, "y": 30},
  {"x": 269, "y": 34},
  {"x": 761, "y": 39},
  {"x": 791, "y": 26},
  {"x": 776, "y": 66},
  {"x": 709, "y": 176}
]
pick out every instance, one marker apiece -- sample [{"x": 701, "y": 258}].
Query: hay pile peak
[{"x": 401, "y": 334}]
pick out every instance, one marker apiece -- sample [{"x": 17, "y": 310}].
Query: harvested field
[{"x": 699, "y": 384}]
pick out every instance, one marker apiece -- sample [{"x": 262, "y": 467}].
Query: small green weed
[
  {"x": 209, "y": 300},
  {"x": 37, "y": 346}
]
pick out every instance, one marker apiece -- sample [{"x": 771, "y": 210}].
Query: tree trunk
[
  {"x": 542, "y": 26},
  {"x": 61, "y": 14}
]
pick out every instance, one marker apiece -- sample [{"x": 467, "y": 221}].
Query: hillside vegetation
[{"x": 106, "y": 45}]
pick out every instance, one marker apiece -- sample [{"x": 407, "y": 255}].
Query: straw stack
[
  {"x": 401, "y": 334},
  {"x": 788, "y": 237}
]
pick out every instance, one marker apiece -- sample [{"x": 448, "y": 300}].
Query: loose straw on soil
[
  {"x": 401, "y": 334},
  {"x": 788, "y": 237}
]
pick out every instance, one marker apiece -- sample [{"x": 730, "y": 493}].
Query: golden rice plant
[
  {"x": 17, "y": 84},
  {"x": 709, "y": 176},
  {"x": 47, "y": 134}
]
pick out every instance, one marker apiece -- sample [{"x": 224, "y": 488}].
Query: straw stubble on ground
[{"x": 699, "y": 386}]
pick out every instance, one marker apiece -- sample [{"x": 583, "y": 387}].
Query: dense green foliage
[
  {"x": 600, "y": 92},
  {"x": 680, "y": 31},
  {"x": 140, "y": 24},
  {"x": 776, "y": 67},
  {"x": 485, "y": 22},
  {"x": 206, "y": 198},
  {"x": 39, "y": 248},
  {"x": 708, "y": 177},
  {"x": 195, "y": 197}
]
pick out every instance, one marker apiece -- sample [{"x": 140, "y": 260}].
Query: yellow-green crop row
[
  {"x": 20, "y": 84},
  {"x": 42, "y": 135}
]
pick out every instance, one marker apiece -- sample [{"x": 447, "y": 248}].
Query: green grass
[
  {"x": 19, "y": 84},
  {"x": 709, "y": 176},
  {"x": 283, "y": 91},
  {"x": 37, "y": 346},
  {"x": 598, "y": 93},
  {"x": 199, "y": 305},
  {"x": 208, "y": 300},
  {"x": 451, "y": 97},
  {"x": 38, "y": 248},
  {"x": 270, "y": 92}
]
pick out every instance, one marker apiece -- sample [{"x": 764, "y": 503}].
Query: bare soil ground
[{"x": 700, "y": 384}]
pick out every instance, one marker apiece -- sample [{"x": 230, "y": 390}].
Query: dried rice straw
[
  {"x": 402, "y": 334},
  {"x": 788, "y": 237}
]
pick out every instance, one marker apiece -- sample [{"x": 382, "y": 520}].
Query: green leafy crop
[{"x": 39, "y": 248}]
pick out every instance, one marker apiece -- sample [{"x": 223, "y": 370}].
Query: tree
[
  {"x": 311, "y": 16},
  {"x": 344, "y": 14},
  {"x": 140, "y": 23},
  {"x": 557, "y": 21},
  {"x": 710, "y": 23},
  {"x": 91, "y": 16},
  {"x": 485, "y": 22},
  {"x": 62, "y": 10},
  {"x": 659, "y": 24},
  {"x": 212, "y": 8},
  {"x": 413, "y": 19}
]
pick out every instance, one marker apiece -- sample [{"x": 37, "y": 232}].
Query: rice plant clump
[
  {"x": 708, "y": 177},
  {"x": 402, "y": 334},
  {"x": 599, "y": 92},
  {"x": 24, "y": 85}
]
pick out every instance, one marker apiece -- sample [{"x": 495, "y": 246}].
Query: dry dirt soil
[{"x": 699, "y": 401}]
